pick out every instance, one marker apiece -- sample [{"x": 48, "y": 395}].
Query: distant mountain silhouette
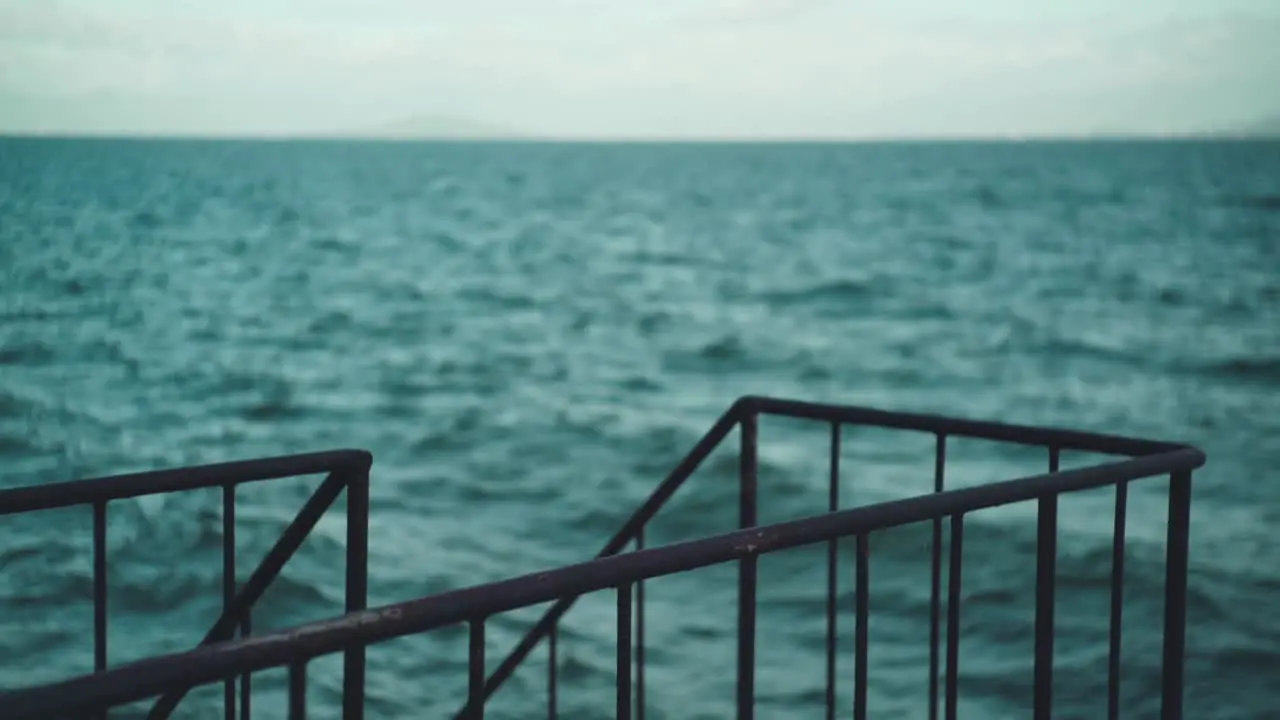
[
  {"x": 1266, "y": 128},
  {"x": 1269, "y": 127},
  {"x": 437, "y": 127}
]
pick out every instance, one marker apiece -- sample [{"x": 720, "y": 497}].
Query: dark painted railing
[
  {"x": 626, "y": 573},
  {"x": 345, "y": 470},
  {"x": 744, "y": 415}
]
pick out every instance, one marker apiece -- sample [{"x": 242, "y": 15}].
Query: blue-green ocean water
[{"x": 528, "y": 337}]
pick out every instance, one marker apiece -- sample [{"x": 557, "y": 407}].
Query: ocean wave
[
  {"x": 1261, "y": 369},
  {"x": 651, "y": 322},
  {"x": 497, "y": 299},
  {"x": 277, "y": 407},
  {"x": 16, "y": 554},
  {"x": 16, "y": 447},
  {"x": 724, "y": 349},
  {"x": 70, "y": 587},
  {"x": 639, "y": 384},
  {"x": 988, "y": 197},
  {"x": 459, "y": 431},
  {"x": 1172, "y": 297},
  {"x": 1269, "y": 203},
  {"x": 287, "y": 216},
  {"x": 1246, "y": 654},
  {"x": 146, "y": 220},
  {"x": 727, "y": 350},
  {"x": 330, "y": 322},
  {"x": 584, "y": 668},
  {"x": 33, "y": 640},
  {"x": 26, "y": 353},
  {"x": 845, "y": 290},
  {"x": 665, "y": 259},
  {"x": 342, "y": 246},
  {"x": 14, "y": 406},
  {"x": 1080, "y": 347},
  {"x": 65, "y": 311}
]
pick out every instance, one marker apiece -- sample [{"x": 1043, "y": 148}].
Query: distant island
[
  {"x": 439, "y": 127},
  {"x": 1265, "y": 129},
  {"x": 444, "y": 127},
  {"x": 1268, "y": 128}
]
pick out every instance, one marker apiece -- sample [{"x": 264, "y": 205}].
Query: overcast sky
[{"x": 640, "y": 68}]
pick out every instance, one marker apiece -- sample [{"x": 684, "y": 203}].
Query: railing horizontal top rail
[
  {"x": 1003, "y": 432},
  {"x": 117, "y": 487},
  {"x": 147, "y": 678}
]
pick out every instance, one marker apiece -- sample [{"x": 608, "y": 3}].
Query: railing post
[
  {"x": 935, "y": 588},
  {"x": 833, "y": 552},
  {"x": 229, "y": 583},
  {"x": 747, "y": 568},
  {"x": 862, "y": 602},
  {"x": 1115, "y": 634},
  {"x": 953, "y": 617},
  {"x": 100, "y": 588},
  {"x": 353, "y": 672},
  {"x": 475, "y": 671},
  {"x": 553, "y": 661},
  {"x": 298, "y": 691},
  {"x": 1046, "y": 579},
  {"x": 640, "y": 648},
  {"x": 246, "y": 680},
  {"x": 1175, "y": 595},
  {"x": 623, "y": 709}
]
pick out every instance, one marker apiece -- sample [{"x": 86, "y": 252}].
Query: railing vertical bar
[
  {"x": 953, "y": 616},
  {"x": 833, "y": 552},
  {"x": 298, "y": 691},
  {"x": 1055, "y": 459},
  {"x": 1117, "y": 601},
  {"x": 935, "y": 593},
  {"x": 475, "y": 670},
  {"x": 246, "y": 682},
  {"x": 747, "y": 571},
  {"x": 100, "y": 589},
  {"x": 552, "y": 660},
  {"x": 1046, "y": 569},
  {"x": 229, "y": 581},
  {"x": 640, "y": 635},
  {"x": 623, "y": 711},
  {"x": 861, "y": 610},
  {"x": 1175, "y": 595},
  {"x": 99, "y": 586},
  {"x": 353, "y": 670}
]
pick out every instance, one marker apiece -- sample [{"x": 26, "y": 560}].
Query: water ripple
[{"x": 528, "y": 337}]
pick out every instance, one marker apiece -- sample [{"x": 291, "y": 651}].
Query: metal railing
[
  {"x": 745, "y": 414},
  {"x": 345, "y": 470},
  {"x": 627, "y": 572}
]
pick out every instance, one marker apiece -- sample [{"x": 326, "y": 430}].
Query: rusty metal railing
[
  {"x": 744, "y": 415},
  {"x": 626, "y": 572},
  {"x": 346, "y": 470}
]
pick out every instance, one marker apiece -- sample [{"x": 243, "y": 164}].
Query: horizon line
[{"x": 462, "y": 138}]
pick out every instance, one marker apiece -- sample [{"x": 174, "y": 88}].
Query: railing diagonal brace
[
  {"x": 687, "y": 466},
  {"x": 262, "y": 577}
]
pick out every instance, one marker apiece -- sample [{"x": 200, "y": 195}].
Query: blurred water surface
[{"x": 528, "y": 337}]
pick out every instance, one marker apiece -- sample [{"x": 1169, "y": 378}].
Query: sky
[{"x": 640, "y": 68}]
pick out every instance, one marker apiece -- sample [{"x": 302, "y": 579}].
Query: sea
[{"x": 529, "y": 336}]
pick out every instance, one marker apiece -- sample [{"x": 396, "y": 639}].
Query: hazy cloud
[{"x": 583, "y": 67}]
